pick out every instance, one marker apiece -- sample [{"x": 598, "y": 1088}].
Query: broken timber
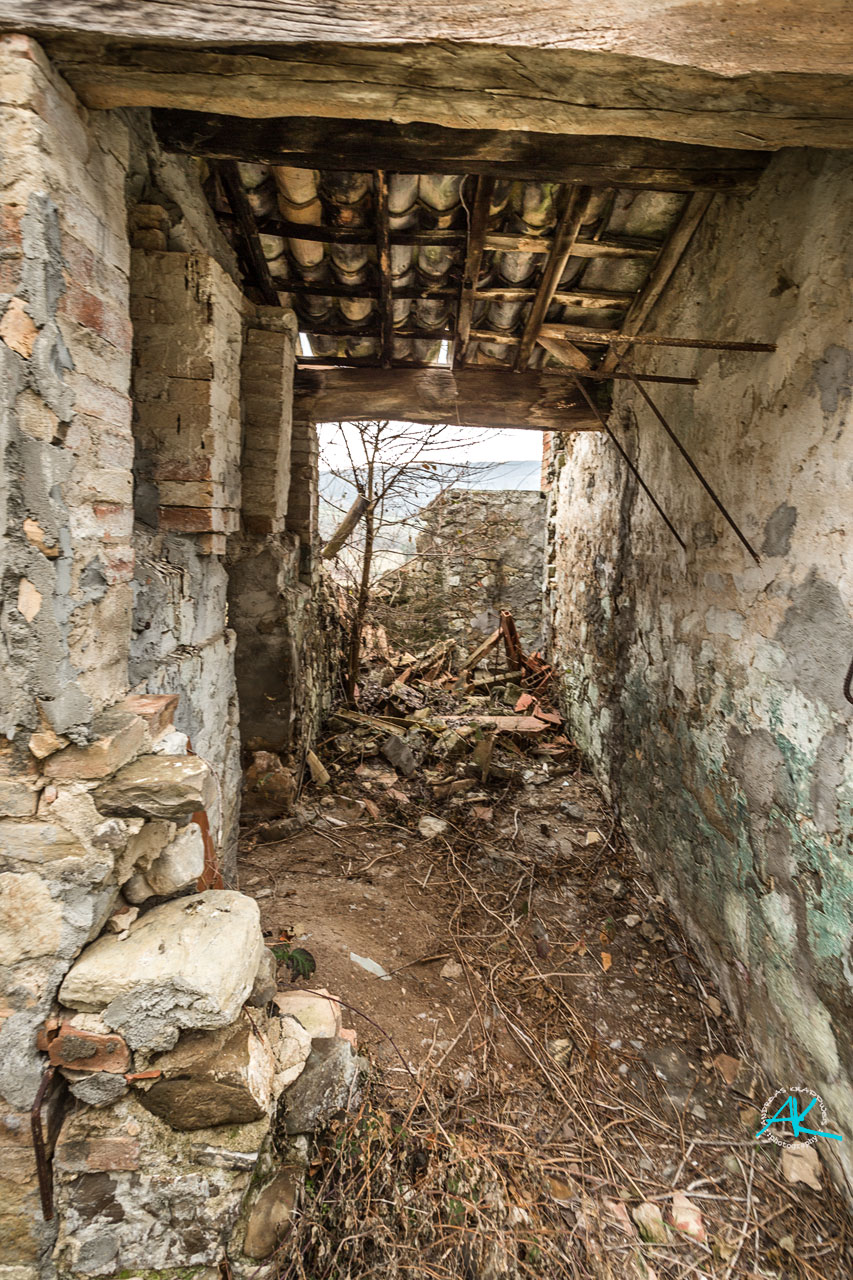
[{"x": 467, "y": 397}]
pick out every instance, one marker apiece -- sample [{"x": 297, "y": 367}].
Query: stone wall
[
  {"x": 479, "y": 551},
  {"x": 706, "y": 690},
  {"x": 117, "y": 293}
]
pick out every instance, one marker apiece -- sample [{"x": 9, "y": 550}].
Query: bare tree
[{"x": 389, "y": 463}]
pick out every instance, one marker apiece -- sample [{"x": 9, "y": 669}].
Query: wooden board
[
  {"x": 467, "y": 397},
  {"x": 314, "y": 143}
]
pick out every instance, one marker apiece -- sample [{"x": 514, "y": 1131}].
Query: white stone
[
  {"x": 318, "y": 1014},
  {"x": 291, "y": 1045},
  {"x": 30, "y": 919},
  {"x": 180, "y": 864},
  {"x": 187, "y": 963}
]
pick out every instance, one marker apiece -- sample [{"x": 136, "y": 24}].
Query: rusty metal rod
[
  {"x": 658, "y": 508},
  {"x": 42, "y": 1165},
  {"x": 848, "y": 682},
  {"x": 687, "y": 458}
]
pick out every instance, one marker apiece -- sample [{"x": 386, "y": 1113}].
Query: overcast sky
[{"x": 474, "y": 446}]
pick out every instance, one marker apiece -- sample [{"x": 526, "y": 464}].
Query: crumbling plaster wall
[
  {"x": 706, "y": 690},
  {"x": 478, "y": 551}
]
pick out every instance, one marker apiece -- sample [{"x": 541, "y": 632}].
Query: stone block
[
  {"x": 17, "y": 799},
  {"x": 144, "y": 847},
  {"x": 120, "y": 736},
  {"x": 158, "y": 786},
  {"x": 180, "y": 864},
  {"x": 272, "y": 1212},
  {"x": 30, "y": 919},
  {"x": 213, "y": 1078},
  {"x": 95, "y": 1089},
  {"x": 319, "y": 1015},
  {"x": 187, "y": 964},
  {"x": 156, "y": 709},
  {"x": 325, "y": 1087}
]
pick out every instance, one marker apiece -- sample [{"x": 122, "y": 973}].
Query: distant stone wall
[
  {"x": 479, "y": 551},
  {"x": 706, "y": 690}
]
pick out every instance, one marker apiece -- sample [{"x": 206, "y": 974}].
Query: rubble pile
[
  {"x": 179, "y": 1082},
  {"x": 449, "y": 727}
]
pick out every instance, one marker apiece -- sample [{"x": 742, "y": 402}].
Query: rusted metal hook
[{"x": 848, "y": 684}]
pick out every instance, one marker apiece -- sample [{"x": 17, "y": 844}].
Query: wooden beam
[
  {"x": 383, "y": 252},
  {"x": 586, "y": 298},
  {"x": 315, "y": 143},
  {"x": 603, "y": 337},
  {"x": 606, "y": 247},
  {"x": 670, "y": 255},
  {"x": 479, "y": 221},
  {"x": 338, "y": 362},
  {"x": 580, "y": 79},
  {"x": 334, "y": 290},
  {"x": 344, "y": 235},
  {"x": 240, "y": 207},
  {"x": 322, "y": 329},
  {"x": 467, "y": 397},
  {"x": 566, "y": 352},
  {"x": 565, "y": 234}
]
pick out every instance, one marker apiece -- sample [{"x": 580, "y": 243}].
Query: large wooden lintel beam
[
  {"x": 466, "y": 397},
  {"x": 315, "y": 143},
  {"x": 522, "y": 84}
]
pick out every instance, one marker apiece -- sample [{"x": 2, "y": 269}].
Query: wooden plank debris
[{"x": 565, "y": 235}]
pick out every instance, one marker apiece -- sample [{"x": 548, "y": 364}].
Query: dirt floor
[{"x": 555, "y": 1089}]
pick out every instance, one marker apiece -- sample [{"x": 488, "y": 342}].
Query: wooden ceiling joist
[
  {"x": 478, "y": 224},
  {"x": 565, "y": 235},
  {"x": 604, "y": 337},
  {"x": 241, "y": 209},
  {"x": 383, "y": 254},
  {"x": 315, "y": 143}
]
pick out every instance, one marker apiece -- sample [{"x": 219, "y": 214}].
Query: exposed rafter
[
  {"x": 241, "y": 209},
  {"x": 479, "y": 220},
  {"x": 565, "y": 235},
  {"x": 383, "y": 252}
]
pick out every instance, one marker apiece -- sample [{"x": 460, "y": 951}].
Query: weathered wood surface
[
  {"x": 731, "y": 39},
  {"x": 467, "y": 397},
  {"x": 313, "y": 143},
  {"x": 479, "y": 218},
  {"x": 471, "y": 86},
  {"x": 565, "y": 234}
]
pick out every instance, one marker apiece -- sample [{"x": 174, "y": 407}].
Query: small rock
[
  {"x": 324, "y": 1088},
  {"x": 372, "y": 966},
  {"x": 687, "y": 1218},
  {"x": 180, "y": 864},
  {"x": 272, "y": 1212},
  {"x": 399, "y": 754},
  {"x": 119, "y": 736},
  {"x": 173, "y": 743},
  {"x": 319, "y": 1015},
  {"x": 649, "y": 1220},
  {"x": 122, "y": 918},
  {"x": 96, "y": 1089},
  {"x": 801, "y": 1163},
  {"x": 431, "y": 828},
  {"x": 632, "y": 921},
  {"x": 452, "y": 970}
]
